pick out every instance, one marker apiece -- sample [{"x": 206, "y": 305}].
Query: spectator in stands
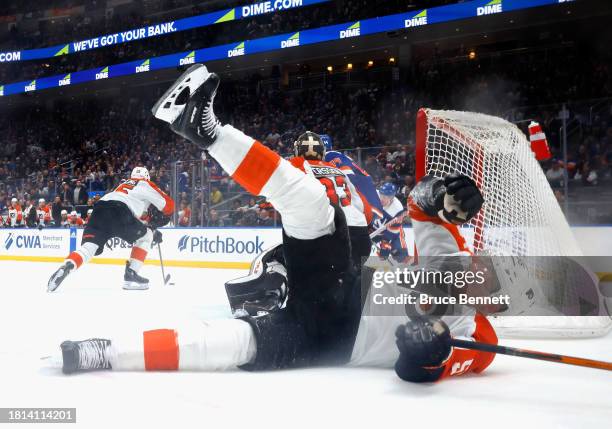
[
  {"x": 66, "y": 193},
  {"x": 555, "y": 174},
  {"x": 407, "y": 187},
  {"x": 79, "y": 196},
  {"x": 216, "y": 196},
  {"x": 184, "y": 214},
  {"x": 214, "y": 219},
  {"x": 56, "y": 210}
]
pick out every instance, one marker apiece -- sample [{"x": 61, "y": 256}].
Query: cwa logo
[
  {"x": 291, "y": 42},
  {"x": 9, "y": 241},
  {"x": 353, "y": 31},
  {"x": 417, "y": 20},
  {"x": 31, "y": 86},
  {"x": 103, "y": 74},
  {"x": 144, "y": 67},
  {"x": 189, "y": 59},
  {"x": 22, "y": 241},
  {"x": 65, "y": 80},
  {"x": 237, "y": 51},
  {"x": 490, "y": 8}
]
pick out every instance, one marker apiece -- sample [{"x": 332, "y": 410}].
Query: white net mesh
[{"x": 520, "y": 216}]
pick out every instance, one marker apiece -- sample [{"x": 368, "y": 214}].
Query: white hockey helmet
[
  {"x": 41, "y": 201},
  {"x": 13, "y": 200},
  {"x": 64, "y": 212},
  {"x": 140, "y": 173}
]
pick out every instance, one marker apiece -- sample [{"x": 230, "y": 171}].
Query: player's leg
[
  {"x": 95, "y": 234},
  {"x": 203, "y": 346},
  {"x": 140, "y": 248},
  {"x": 299, "y": 198}
]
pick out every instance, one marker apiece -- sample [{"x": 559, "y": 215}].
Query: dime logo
[
  {"x": 353, "y": 31},
  {"x": 103, "y": 74},
  {"x": 65, "y": 80},
  {"x": 189, "y": 59},
  {"x": 144, "y": 67},
  {"x": 2, "y": 91},
  {"x": 417, "y": 20},
  {"x": 291, "y": 42},
  {"x": 490, "y": 8},
  {"x": 63, "y": 51},
  {"x": 237, "y": 51},
  {"x": 31, "y": 86}
]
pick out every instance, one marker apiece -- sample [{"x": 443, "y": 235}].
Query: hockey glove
[
  {"x": 157, "y": 237},
  {"x": 462, "y": 200},
  {"x": 158, "y": 219},
  {"x": 423, "y": 342}
]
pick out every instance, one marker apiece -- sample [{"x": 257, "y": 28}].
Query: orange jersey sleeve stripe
[
  {"x": 419, "y": 215},
  {"x": 463, "y": 361},
  {"x": 161, "y": 351},
  {"x": 169, "y": 207},
  {"x": 256, "y": 168}
]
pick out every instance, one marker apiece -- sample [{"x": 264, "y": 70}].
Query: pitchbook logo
[
  {"x": 490, "y": 8},
  {"x": 218, "y": 244},
  {"x": 353, "y": 31}
]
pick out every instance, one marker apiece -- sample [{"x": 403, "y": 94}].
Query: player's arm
[
  {"x": 426, "y": 354},
  {"x": 161, "y": 204},
  {"x": 436, "y": 206}
]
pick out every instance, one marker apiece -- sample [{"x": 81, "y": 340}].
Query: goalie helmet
[
  {"x": 140, "y": 173},
  {"x": 309, "y": 146}
]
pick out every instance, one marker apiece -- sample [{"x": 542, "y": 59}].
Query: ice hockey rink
[{"x": 513, "y": 392}]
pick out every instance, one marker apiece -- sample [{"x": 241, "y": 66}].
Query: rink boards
[{"x": 231, "y": 248}]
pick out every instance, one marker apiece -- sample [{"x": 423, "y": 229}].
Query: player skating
[
  {"x": 321, "y": 323},
  {"x": 118, "y": 214},
  {"x": 391, "y": 241}
]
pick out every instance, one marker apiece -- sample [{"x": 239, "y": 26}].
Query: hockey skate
[
  {"x": 132, "y": 281},
  {"x": 58, "y": 277},
  {"x": 188, "y": 106},
  {"x": 87, "y": 355}
]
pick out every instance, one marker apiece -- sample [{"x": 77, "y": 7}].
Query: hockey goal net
[{"x": 520, "y": 216}]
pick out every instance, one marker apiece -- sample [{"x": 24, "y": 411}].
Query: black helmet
[{"x": 309, "y": 146}]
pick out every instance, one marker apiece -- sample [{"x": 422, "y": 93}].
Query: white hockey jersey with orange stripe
[
  {"x": 139, "y": 194},
  {"x": 338, "y": 186}
]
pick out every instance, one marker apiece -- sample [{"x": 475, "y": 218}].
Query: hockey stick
[
  {"x": 530, "y": 354},
  {"x": 161, "y": 263},
  {"x": 398, "y": 218}
]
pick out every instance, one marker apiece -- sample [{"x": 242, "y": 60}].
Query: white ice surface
[{"x": 517, "y": 393}]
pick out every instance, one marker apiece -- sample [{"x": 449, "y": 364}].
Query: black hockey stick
[
  {"x": 161, "y": 263},
  {"x": 530, "y": 354}
]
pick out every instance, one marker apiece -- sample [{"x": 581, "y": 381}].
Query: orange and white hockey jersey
[
  {"x": 43, "y": 215},
  {"x": 339, "y": 188},
  {"x": 15, "y": 216},
  {"x": 139, "y": 194}
]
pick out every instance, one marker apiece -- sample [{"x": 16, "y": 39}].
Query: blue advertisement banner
[
  {"x": 409, "y": 20},
  {"x": 199, "y": 21}
]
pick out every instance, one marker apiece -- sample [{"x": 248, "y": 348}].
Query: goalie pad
[{"x": 264, "y": 289}]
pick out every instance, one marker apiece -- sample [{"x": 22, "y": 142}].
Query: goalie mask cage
[{"x": 520, "y": 215}]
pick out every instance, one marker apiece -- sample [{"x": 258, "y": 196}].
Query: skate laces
[
  {"x": 93, "y": 354},
  {"x": 210, "y": 123}
]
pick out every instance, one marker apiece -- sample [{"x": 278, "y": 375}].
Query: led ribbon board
[
  {"x": 356, "y": 29},
  {"x": 199, "y": 21}
]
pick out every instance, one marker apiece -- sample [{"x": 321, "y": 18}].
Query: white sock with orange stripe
[
  {"x": 204, "y": 346},
  {"x": 299, "y": 198},
  {"x": 83, "y": 255},
  {"x": 137, "y": 258}
]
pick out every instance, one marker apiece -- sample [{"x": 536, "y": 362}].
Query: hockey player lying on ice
[{"x": 321, "y": 323}]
